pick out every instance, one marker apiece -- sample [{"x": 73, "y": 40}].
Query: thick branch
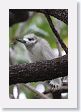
[
  {"x": 61, "y": 14},
  {"x": 21, "y": 15},
  {"x": 39, "y": 71}
]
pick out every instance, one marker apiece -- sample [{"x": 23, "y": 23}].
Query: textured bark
[
  {"x": 21, "y": 15},
  {"x": 39, "y": 71},
  {"x": 61, "y": 14}
]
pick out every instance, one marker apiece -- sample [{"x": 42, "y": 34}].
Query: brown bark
[
  {"x": 21, "y": 15},
  {"x": 39, "y": 71}
]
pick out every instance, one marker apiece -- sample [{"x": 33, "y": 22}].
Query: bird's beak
[{"x": 22, "y": 41}]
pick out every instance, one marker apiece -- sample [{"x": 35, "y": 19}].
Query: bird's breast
[{"x": 36, "y": 54}]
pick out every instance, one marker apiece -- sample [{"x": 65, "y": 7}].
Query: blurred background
[{"x": 37, "y": 24}]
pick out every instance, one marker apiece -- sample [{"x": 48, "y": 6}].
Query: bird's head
[{"x": 29, "y": 40}]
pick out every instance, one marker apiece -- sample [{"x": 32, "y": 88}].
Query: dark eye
[{"x": 30, "y": 39}]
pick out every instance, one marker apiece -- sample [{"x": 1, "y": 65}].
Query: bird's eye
[{"x": 30, "y": 39}]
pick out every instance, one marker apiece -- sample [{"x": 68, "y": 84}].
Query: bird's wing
[{"x": 47, "y": 51}]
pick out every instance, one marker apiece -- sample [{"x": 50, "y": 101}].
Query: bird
[{"x": 38, "y": 50}]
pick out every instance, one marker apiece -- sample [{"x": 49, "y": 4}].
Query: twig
[
  {"x": 56, "y": 33},
  {"x": 35, "y": 91}
]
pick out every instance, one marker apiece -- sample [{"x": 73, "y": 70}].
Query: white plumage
[{"x": 38, "y": 50}]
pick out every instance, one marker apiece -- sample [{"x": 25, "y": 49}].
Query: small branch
[
  {"x": 56, "y": 33},
  {"x": 39, "y": 71},
  {"x": 35, "y": 91}
]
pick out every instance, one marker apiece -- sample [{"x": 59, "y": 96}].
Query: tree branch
[
  {"x": 35, "y": 91},
  {"x": 39, "y": 71},
  {"x": 61, "y": 14},
  {"x": 21, "y": 15},
  {"x": 56, "y": 34}
]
